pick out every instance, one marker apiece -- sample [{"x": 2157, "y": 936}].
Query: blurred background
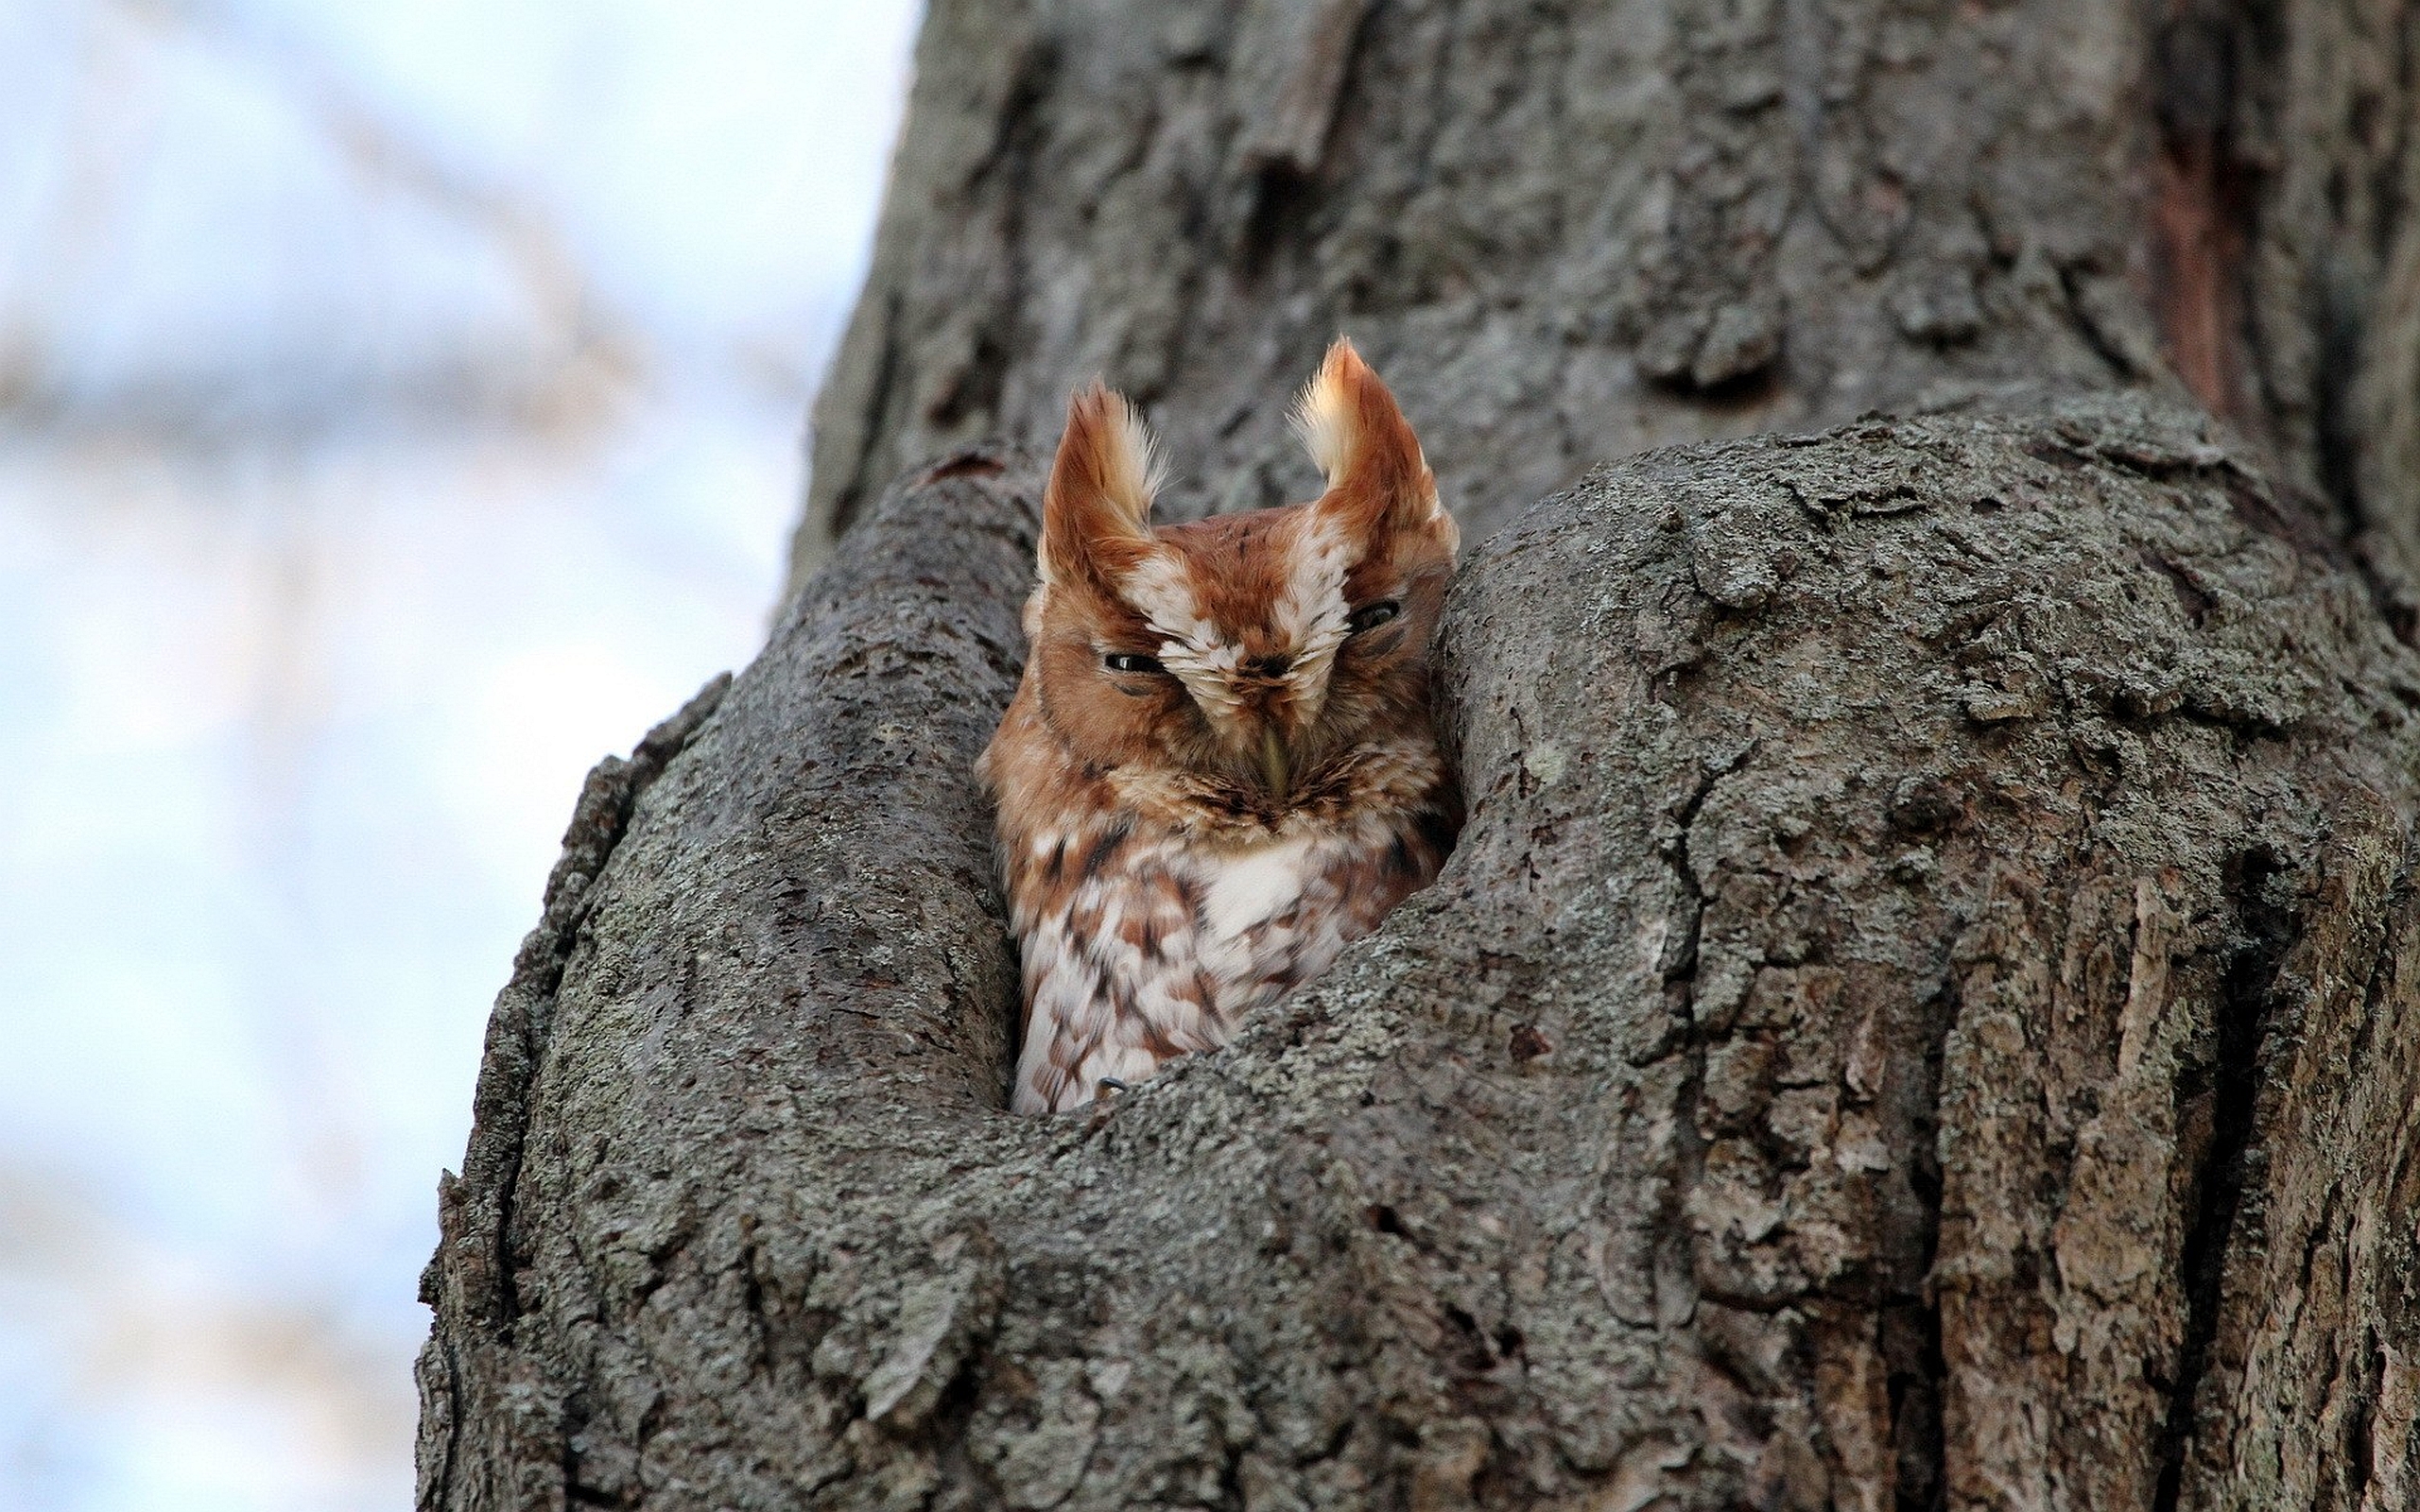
[{"x": 401, "y": 405}]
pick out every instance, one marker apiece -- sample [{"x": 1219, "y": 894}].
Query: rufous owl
[{"x": 1220, "y": 764}]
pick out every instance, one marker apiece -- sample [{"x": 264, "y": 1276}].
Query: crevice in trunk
[
  {"x": 1912, "y": 1323},
  {"x": 2267, "y": 931}
]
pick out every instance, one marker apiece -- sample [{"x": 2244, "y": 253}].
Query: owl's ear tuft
[
  {"x": 1096, "y": 511},
  {"x": 1378, "y": 480}
]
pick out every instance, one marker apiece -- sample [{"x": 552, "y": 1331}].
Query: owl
[{"x": 1220, "y": 764}]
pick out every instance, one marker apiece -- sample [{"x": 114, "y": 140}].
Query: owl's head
[{"x": 1245, "y": 652}]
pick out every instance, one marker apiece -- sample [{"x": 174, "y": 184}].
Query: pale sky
[{"x": 401, "y": 407}]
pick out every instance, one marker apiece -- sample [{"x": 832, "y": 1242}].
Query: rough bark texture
[
  {"x": 1910, "y": 872},
  {"x": 1567, "y": 232},
  {"x": 1925, "y": 1011}
]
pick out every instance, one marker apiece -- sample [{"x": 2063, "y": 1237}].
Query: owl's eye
[
  {"x": 1131, "y": 661},
  {"x": 1369, "y": 616}
]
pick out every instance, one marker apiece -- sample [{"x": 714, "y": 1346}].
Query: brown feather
[{"x": 1187, "y": 836}]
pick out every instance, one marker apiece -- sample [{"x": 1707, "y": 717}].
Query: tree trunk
[{"x": 1926, "y": 1009}]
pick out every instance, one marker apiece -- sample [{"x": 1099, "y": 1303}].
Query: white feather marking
[
  {"x": 1255, "y": 886},
  {"x": 1159, "y": 591},
  {"x": 1134, "y": 467},
  {"x": 1191, "y": 647},
  {"x": 1310, "y": 615},
  {"x": 1326, "y": 425}
]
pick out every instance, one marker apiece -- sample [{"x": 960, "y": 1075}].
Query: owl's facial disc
[{"x": 1250, "y": 632}]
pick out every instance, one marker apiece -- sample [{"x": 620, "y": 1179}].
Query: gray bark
[
  {"x": 1925, "y": 1011},
  {"x": 1570, "y": 232}
]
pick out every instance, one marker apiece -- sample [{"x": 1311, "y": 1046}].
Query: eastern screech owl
[{"x": 1220, "y": 767}]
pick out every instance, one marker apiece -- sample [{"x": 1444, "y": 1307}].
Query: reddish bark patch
[
  {"x": 2198, "y": 214},
  {"x": 2202, "y": 207}
]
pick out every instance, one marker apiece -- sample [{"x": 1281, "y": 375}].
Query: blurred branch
[{"x": 585, "y": 352}]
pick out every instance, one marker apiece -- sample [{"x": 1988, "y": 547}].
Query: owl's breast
[
  {"x": 1273, "y": 915},
  {"x": 1244, "y": 889},
  {"x": 1139, "y": 946}
]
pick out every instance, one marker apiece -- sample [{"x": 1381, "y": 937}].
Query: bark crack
[
  {"x": 1910, "y": 1327},
  {"x": 2267, "y": 931}
]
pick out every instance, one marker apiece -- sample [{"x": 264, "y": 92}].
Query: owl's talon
[{"x": 1111, "y": 1084}]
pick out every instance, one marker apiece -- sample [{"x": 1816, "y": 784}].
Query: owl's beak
[{"x": 1274, "y": 769}]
